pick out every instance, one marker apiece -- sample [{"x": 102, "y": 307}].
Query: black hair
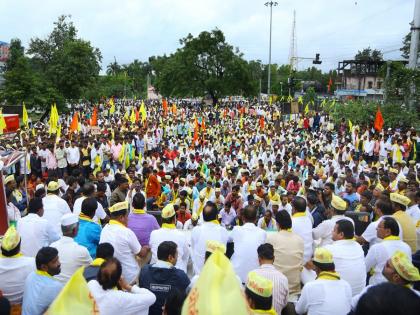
[
  {"x": 249, "y": 214},
  {"x": 210, "y": 212},
  {"x": 385, "y": 206},
  {"x": 260, "y": 302},
  {"x": 299, "y": 204},
  {"x": 89, "y": 206},
  {"x": 11, "y": 252},
  {"x": 118, "y": 213},
  {"x": 324, "y": 266},
  {"x": 138, "y": 201},
  {"x": 45, "y": 255},
  {"x": 34, "y": 205},
  {"x": 101, "y": 187},
  {"x": 108, "y": 275},
  {"x": 346, "y": 227},
  {"x": 166, "y": 249},
  {"x": 392, "y": 224},
  {"x": 330, "y": 185},
  {"x": 71, "y": 180},
  {"x": 266, "y": 251},
  {"x": 174, "y": 301},
  {"x": 312, "y": 198},
  {"x": 388, "y": 299},
  {"x": 284, "y": 220},
  {"x": 104, "y": 251},
  {"x": 40, "y": 192},
  {"x": 88, "y": 189}
]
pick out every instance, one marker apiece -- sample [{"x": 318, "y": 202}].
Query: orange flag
[
  {"x": 203, "y": 125},
  {"x": 174, "y": 109},
  {"x": 165, "y": 107},
  {"x": 94, "y": 120},
  {"x": 195, "y": 137},
  {"x": 262, "y": 122},
  {"x": 137, "y": 115},
  {"x": 74, "y": 122},
  {"x": 379, "y": 120}
]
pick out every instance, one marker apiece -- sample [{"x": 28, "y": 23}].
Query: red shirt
[{"x": 183, "y": 217}]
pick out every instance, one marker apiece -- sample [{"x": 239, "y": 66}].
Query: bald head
[{"x": 109, "y": 273}]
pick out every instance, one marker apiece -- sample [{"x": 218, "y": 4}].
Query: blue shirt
[
  {"x": 88, "y": 235},
  {"x": 40, "y": 291}
]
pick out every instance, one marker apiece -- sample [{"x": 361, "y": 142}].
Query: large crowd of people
[{"x": 164, "y": 204}]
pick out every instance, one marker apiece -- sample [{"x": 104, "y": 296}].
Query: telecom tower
[{"x": 293, "y": 46}]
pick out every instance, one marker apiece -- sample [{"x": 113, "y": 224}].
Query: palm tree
[{"x": 113, "y": 68}]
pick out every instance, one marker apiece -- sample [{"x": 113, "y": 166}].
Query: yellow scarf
[
  {"x": 42, "y": 273},
  {"x": 85, "y": 217},
  {"x": 392, "y": 238},
  {"x": 200, "y": 208},
  {"x": 168, "y": 226},
  {"x": 268, "y": 312},
  {"x": 14, "y": 256},
  {"x": 299, "y": 214},
  {"x": 264, "y": 224},
  {"x": 115, "y": 222},
  {"x": 329, "y": 275},
  {"x": 139, "y": 211},
  {"x": 97, "y": 262}
]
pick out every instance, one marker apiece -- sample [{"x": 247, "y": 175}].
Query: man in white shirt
[
  {"x": 72, "y": 255},
  {"x": 130, "y": 299},
  {"x": 209, "y": 230},
  {"x": 378, "y": 254},
  {"x": 73, "y": 156},
  {"x": 348, "y": 256},
  {"x": 35, "y": 231},
  {"x": 323, "y": 232},
  {"x": 125, "y": 243},
  {"x": 246, "y": 239},
  {"x": 88, "y": 190},
  {"x": 329, "y": 293},
  {"x": 268, "y": 271},
  {"x": 54, "y": 206},
  {"x": 302, "y": 226},
  {"x": 168, "y": 232}
]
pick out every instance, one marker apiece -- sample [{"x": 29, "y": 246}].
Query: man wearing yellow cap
[
  {"x": 54, "y": 206},
  {"x": 125, "y": 243},
  {"x": 323, "y": 232},
  {"x": 388, "y": 231},
  {"x": 398, "y": 270},
  {"x": 14, "y": 267},
  {"x": 328, "y": 294},
  {"x": 259, "y": 294},
  {"x": 168, "y": 232},
  {"x": 400, "y": 204}
]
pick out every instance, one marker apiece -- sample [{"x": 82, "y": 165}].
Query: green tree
[
  {"x": 369, "y": 54},
  {"x": 113, "y": 68},
  {"x": 405, "y": 49}
]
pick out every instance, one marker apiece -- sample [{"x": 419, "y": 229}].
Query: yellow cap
[
  {"x": 53, "y": 186},
  {"x": 259, "y": 285},
  {"x": 338, "y": 203},
  {"x": 11, "y": 239},
  {"x": 194, "y": 217},
  {"x": 379, "y": 187},
  {"x": 412, "y": 162},
  {"x": 400, "y": 199},
  {"x": 404, "y": 267},
  {"x": 9, "y": 179},
  {"x": 119, "y": 206},
  {"x": 323, "y": 256},
  {"x": 393, "y": 170},
  {"x": 212, "y": 246},
  {"x": 168, "y": 211}
]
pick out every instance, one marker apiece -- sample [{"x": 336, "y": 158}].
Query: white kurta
[
  {"x": 99, "y": 214},
  {"x": 112, "y": 302},
  {"x": 72, "y": 256},
  {"x": 323, "y": 231},
  {"x": 370, "y": 234},
  {"x": 246, "y": 240},
  {"x": 54, "y": 209},
  {"x": 302, "y": 226}
]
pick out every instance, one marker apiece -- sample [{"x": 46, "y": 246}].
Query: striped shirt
[{"x": 280, "y": 285}]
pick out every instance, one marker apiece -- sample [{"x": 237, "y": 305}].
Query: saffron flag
[
  {"x": 137, "y": 115},
  {"x": 330, "y": 83},
  {"x": 379, "y": 120},
  {"x": 262, "y": 122},
  {"x": 74, "y": 298},
  {"x": 94, "y": 120},
  {"x": 25, "y": 116},
  {"x": 2, "y": 122},
  {"x": 174, "y": 109},
  {"x": 74, "y": 125},
  {"x": 203, "y": 125},
  {"x": 165, "y": 107}
]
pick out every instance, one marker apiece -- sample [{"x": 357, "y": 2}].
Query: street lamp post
[{"x": 270, "y": 4}]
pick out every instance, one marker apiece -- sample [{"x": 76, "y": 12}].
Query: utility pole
[
  {"x": 259, "y": 95},
  {"x": 414, "y": 48},
  {"x": 270, "y": 4}
]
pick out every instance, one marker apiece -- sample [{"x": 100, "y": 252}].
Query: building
[{"x": 4, "y": 54}]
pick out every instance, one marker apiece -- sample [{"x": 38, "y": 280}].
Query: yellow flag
[
  {"x": 121, "y": 155},
  {"x": 143, "y": 112},
  {"x": 2, "y": 122},
  {"x": 270, "y": 100},
  {"x": 25, "y": 116},
  {"x": 112, "y": 109},
  {"x": 282, "y": 98},
  {"x": 126, "y": 115},
  {"x": 300, "y": 100},
  {"x": 133, "y": 116},
  {"x": 241, "y": 122},
  {"x": 350, "y": 125},
  {"x": 33, "y": 132},
  {"x": 307, "y": 108},
  {"x": 58, "y": 134},
  {"x": 74, "y": 298},
  {"x": 289, "y": 98},
  {"x": 217, "y": 290}
]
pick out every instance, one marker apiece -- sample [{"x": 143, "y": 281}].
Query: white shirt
[
  {"x": 126, "y": 247},
  {"x": 349, "y": 262},
  {"x": 164, "y": 234},
  {"x": 73, "y": 155},
  {"x": 35, "y": 232},
  {"x": 99, "y": 213},
  {"x": 322, "y": 297},
  {"x": 302, "y": 226},
  {"x": 378, "y": 255},
  {"x": 246, "y": 240},
  {"x": 199, "y": 236},
  {"x": 13, "y": 273},
  {"x": 119, "y": 302},
  {"x": 72, "y": 256},
  {"x": 54, "y": 209},
  {"x": 324, "y": 230},
  {"x": 370, "y": 234},
  {"x": 414, "y": 212}
]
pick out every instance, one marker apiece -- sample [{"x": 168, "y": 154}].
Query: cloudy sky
[{"x": 129, "y": 29}]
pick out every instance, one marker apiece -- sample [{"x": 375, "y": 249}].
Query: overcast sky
[{"x": 137, "y": 29}]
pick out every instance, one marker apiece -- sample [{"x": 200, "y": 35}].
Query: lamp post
[{"x": 270, "y": 4}]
